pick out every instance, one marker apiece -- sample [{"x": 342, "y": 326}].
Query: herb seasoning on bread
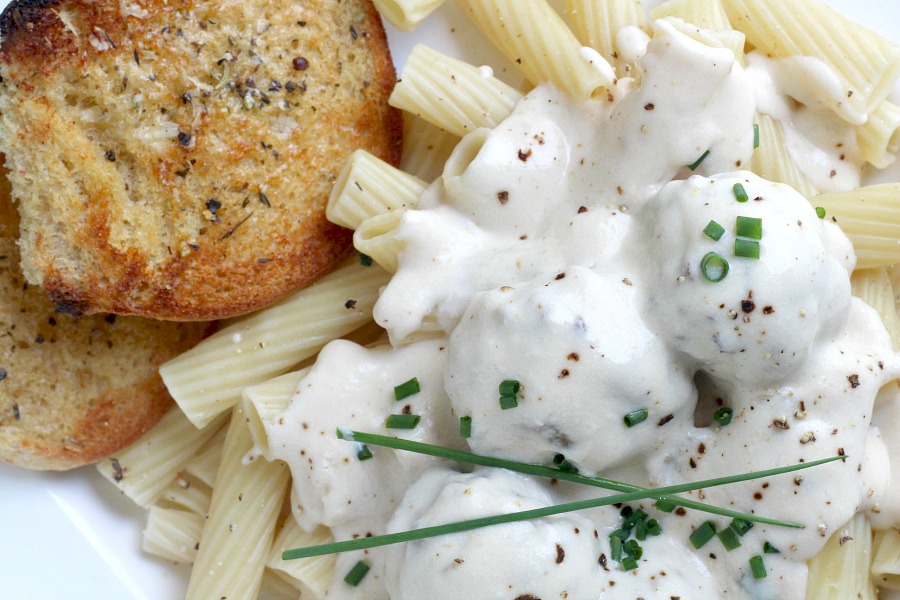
[{"x": 172, "y": 159}]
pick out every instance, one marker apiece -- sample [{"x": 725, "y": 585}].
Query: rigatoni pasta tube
[
  {"x": 238, "y": 533},
  {"x": 368, "y": 186},
  {"x": 870, "y": 216},
  {"x": 376, "y": 238},
  {"x": 879, "y": 138},
  {"x": 314, "y": 573},
  {"x": 772, "y": 161},
  {"x": 145, "y": 468},
  {"x": 841, "y": 570},
  {"x": 264, "y": 402},
  {"x": 172, "y": 534},
  {"x": 596, "y": 23},
  {"x": 451, "y": 93},
  {"x": 706, "y": 14},
  {"x": 208, "y": 379},
  {"x": 886, "y": 562},
  {"x": 536, "y": 39},
  {"x": 867, "y": 63},
  {"x": 406, "y": 14},
  {"x": 875, "y": 288}
]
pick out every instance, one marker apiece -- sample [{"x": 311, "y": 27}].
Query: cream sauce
[{"x": 563, "y": 249}]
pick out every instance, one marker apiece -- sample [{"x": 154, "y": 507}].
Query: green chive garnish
[
  {"x": 770, "y": 549},
  {"x": 741, "y": 526},
  {"x": 714, "y": 230},
  {"x": 820, "y": 212},
  {"x": 665, "y": 506},
  {"x": 729, "y": 538},
  {"x": 563, "y": 464},
  {"x": 702, "y": 534},
  {"x": 507, "y": 402},
  {"x": 757, "y": 567},
  {"x": 746, "y": 248},
  {"x": 615, "y": 546},
  {"x": 407, "y": 389},
  {"x": 723, "y": 416},
  {"x": 365, "y": 260},
  {"x": 756, "y": 135},
  {"x": 748, "y": 227},
  {"x": 713, "y": 267},
  {"x": 363, "y": 453},
  {"x": 465, "y": 427},
  {"x": 427, "y": 532},
  {"x": 357, "y": 573},
  {"x": 635, "y": 417},
  {"x": 629, "y": 563},
  {"x": 740, "y": 194},
  {"x": 693, "y": 167},
  {"x": 402, "y": 421},
  {"x": 509, "y": 387}
]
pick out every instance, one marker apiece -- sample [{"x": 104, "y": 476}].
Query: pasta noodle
[
  {"x": 596, "y": 23},
  {"x": 386, "y": 189},
  {"x": 874, "y": 286},
  {"x": 841, "y": 569},
  {"x": 870, "y": 216},
  {"x": 313, "y": 573},
  {"x": 549, "y": 52},
  {"x": 886, "y": 561},
  {"x": 772, "y": 160},
  {"x": 263, "y": 402},
  {"x": 879, "y": 138},
  {"x": 425, "y": 147},
  {"x": 868, "y": 64},
  {"x": 172, "y": 534},
  {"x": 208, "y": 379},
  {"x": 406, "y": 14},
  {"x": 238, "y": 532},
  {"x": 706, "y": 14},
  {"x": 375, "y": 238},
  {"x": 143, "y": 470},
  {"x": 451, "y": 94}
]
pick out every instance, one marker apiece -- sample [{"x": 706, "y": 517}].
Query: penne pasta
[
  {"x": 406, "y": 14},
  {"x": 451, "y": 94},
  {"x": 841, "y": 569},
  {"x": 239, "y": 529},
  {"x": 870, "y": 216},
  {"x": 143, "y": 470},
  {"x": 886, "y": 560},
  {"x": 550, "y": 52},
  {"x": 772, "y": 161},
  {"x": 208, "y": 380},
  {"x": 867, "y": 64},
  {"x": 367, "y": 186}
]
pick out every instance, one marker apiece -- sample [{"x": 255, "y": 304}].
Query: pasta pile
[{"x": 214, "y": 500}]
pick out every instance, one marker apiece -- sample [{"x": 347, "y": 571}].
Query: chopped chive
[
  {"x": 653, "y": 527},
  {"x": 820, "y": 212},
  {"x": 402, "y": 421},
  {"x": 741, "y": 526},
  {"x": 723, "y": 415},
  {"x": 770, "y": 549},
  {"x": 714, "y": 230},
  {"x": 356, "y": 574},
  {"x": 746, "y": 248},
  {"x": 509, "y": 387},
  {"x": 363, "y": 453},
  {"x": 407, "y": 389},
  {"x": 702, "y": 534},
  {"x": 693, "y": 166},
  {"x": 563, "y": 464},
  {"x": 635, "y": 417},
  {"x": 757, "y": 567},
  {"x": 713, "y": 267},
  {"x": 665, "y": 506},
  {"x": 465, "y": 427},
  {"x": 365, "y": 260},
  {"x": 615, "y": 546},
  {"x": 507, "y": 402},
  {"x": 376, "y": 541},
  {"x": 756, "y": 135},
  {"x": 748, "y": 227},
  {"x": 729, "y": 538},
  {"x": 740, "y": 194},
  {"x": 629, "y": 563},
  {"x": 633, "y": 549}
]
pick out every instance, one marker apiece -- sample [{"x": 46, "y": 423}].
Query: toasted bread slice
[
  {"x": 73, "y": 390},
  {"x": 173, "y": 158}
]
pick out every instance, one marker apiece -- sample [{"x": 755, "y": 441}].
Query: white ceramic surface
[{"x": 71, "y": 536}]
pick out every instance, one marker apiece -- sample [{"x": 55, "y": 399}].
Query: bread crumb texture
[
  {"x": 172, "y": 158},
  {"x": 74, "y": 389}
]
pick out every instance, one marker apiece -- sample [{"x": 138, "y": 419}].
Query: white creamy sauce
[{"x": 563, "y": 250}]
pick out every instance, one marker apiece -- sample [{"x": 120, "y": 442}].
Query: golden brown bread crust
[
  {"x": 174, "y": 161},
  {"x": 73, "y": 390}
]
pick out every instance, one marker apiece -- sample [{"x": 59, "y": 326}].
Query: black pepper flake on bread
[
  {"x": 73, "y": 390},
  {"x": 120, "y": 117}
]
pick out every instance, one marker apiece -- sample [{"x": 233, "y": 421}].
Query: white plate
[{"x": 72, "y": 536}]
